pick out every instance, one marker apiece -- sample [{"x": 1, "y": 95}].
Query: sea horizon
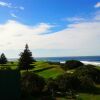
[{"x": 94, "y": 60}]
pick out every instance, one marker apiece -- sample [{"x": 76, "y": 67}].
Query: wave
[
  {"x": 92, "y": 63},
  {"x": 86, "y": 63}
]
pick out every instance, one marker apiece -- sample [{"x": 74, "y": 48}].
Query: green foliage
[
  {"x": 31, "y": 84},
  {"x": 67, "y": 81},
  {"x": 86, "y": 84},
  {"x": 71, "y": 64},
  {"x": 26, "y": 59},
  {"x": 5, "y": 68},
  {"x": 3, "y": 59},
  {"x": 89, "y": 71}
]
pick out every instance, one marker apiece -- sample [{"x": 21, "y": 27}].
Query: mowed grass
[
  {"x": 51, "y": 73},
  {"x": 82, "y": 96},
  {"x": 98, "y": 67},
  {"x": 86, "y": 96},
  {"x": 13, "y": 65},
  {"x": 46, "y": 70},
  {"x": 40, "y": 65}
]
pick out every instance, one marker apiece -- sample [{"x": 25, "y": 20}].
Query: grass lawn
[
  {"x": 84, "y": 96},
  {"x": 98, "y": 67},
  {"x": 40, "y": 65},
  {"x": 51, "y": 73}
]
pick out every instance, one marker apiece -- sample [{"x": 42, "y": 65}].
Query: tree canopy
[
  {"x": 3, "y": 59},
  {"x": 26, "y": 59}
]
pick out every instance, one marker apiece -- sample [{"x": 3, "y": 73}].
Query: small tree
[
  {"x": 26, "y": 59},
  {"x": 3, "y": 59}
]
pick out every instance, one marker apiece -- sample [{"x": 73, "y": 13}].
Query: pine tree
[
  {"x": 3, "y": 59},
  {"x": 26, "y": 59}
]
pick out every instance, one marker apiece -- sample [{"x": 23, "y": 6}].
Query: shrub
[
  {"x": 86, "y": 84},
  {"x": 31, "y": 84},
  {"x": 67, "y": 81},
  {"x": 71, "y": 64},
  {"x": 89, "y": 71}
]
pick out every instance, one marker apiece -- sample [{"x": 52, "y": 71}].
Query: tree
[
  {"x": 26, "y": 59},
  {"x": 3, "y": 59}
]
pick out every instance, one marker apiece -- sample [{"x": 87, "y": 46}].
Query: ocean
[{"x": 94, "y": 60}]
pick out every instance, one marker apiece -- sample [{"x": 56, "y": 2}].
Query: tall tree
[
  {"x": 3, "y": 59},
  {"x": 26, "y": 59}
]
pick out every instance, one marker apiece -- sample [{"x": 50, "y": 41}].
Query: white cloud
[
  {"x": 71, "y": 19},
  {"x": 97, "y": 16},
  {"x": 13, "y": 15},
  {"x": 97, "y": 5},
  {"x": 10, "y": 5},
  {"x": 17, "y": 34},
  {"x": 4, "y": 4},
  {"x": 82, "y": 37},
  {"x": 21, "y": 8}
]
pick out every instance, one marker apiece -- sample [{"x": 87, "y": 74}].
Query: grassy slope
[
  {"x": 84, "y": 96},
  {"x": 53, "y": 72}
]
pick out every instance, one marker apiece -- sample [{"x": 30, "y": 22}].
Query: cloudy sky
[{"x": 50, "y": 27}]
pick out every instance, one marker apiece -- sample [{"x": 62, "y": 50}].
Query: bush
[
  {"x": 67, "y": 81},
  {"x": 89, "y": 71},
  {"x": 71, "y": 64},
  {"x": 86, "y": 84},
  {"x": 31, "y": 84}
]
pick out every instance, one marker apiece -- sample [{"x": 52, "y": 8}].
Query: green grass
[
  {"x": 40, "y": 65},
  {"x": 98, "y": 67},
  {"x": 61, "y": 98},
  {"x": 51, "y": 73},
  {"x": 82, "y": 96},
  {"x": 85, "y": 96},
  {"x": 11, "y": 65}
]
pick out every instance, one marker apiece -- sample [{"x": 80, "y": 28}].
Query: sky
[{"x": 51, "y": 28}]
